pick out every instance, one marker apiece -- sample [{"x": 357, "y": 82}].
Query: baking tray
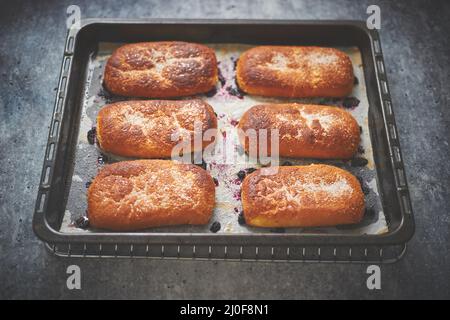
[
  {"x": 229, "y": 157},
  {"x": 311, "y": 245}
]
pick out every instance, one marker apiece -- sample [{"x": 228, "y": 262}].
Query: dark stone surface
[{"x": 415, "y": 39}]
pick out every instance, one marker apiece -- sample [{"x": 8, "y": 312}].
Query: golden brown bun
[
  {"x": 143, "y": 129},
  {"x": 295, "y": 72},
  {"x": 161, "y": 69},
  {"x": 305, "y": 131},
  {"x": 133, "y": 195},
  {"x": 302, "y": 196}
]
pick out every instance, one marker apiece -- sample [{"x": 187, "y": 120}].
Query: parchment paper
[{"x": 229, "y": 104}]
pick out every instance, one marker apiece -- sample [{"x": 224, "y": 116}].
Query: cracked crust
[
  {"x": 133, "y": 195},
  {"x": 143, "y": 129},
  {"x": 161, "y": 69},
  {"x": 302, "y": 196},
  {"x": 305, "y": 131},
  {"x": 295, "y": 72}
]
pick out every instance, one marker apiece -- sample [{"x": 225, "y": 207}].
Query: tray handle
[
  {"x": 54, "y": 135},
  {"x": 391, "y": 131},
  {"x": 326, "y": 254}
]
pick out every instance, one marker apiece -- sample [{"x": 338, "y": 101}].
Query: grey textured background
[{"x": 415, "y": 39}]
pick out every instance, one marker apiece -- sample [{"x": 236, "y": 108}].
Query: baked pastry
[
  {"x": 305, "y": 131},
  {"x": 295, "y": 72},
  {"x": 301, "y": 196},
  {"x": 161, "y": 69},
  {"x": 140, "y": 194},
  {"x": 145, "y": 129}
]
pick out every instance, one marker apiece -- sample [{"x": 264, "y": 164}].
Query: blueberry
[
  {"x": 82, "y": 222},
  {"x": 235, "y": 61},
  {"x": 104, "y": 93},
  {"x": 235, "y": 91},
  {"x": 241, "y": 218},
  {"x": 359, "y": 162},
  {"x": 215, "y": 227},
  {"x": 102, "y": 159},
  {"x": 364, "y": 189},
  {"x": 350, "y": 102},
  {"x": 234, "y": 122},
  {"x": 88, "y": 184},
  {"x": 91, "y": 135},
  {"x": 250, "y": 170},
  {"x": 211, "y": 93},
  {"x": 222, "y": 79},
  {"x": 216, "y": 182},
  {"x": 241, "y": 175}
]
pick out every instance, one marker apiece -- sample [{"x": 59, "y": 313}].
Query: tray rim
[{"x": 401, "y": 235}]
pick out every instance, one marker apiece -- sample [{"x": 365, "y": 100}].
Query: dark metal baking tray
[{"x": 59, "y": 156}]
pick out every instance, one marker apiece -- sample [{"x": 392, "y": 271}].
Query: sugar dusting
[
  {"x": 279, "y": 62},
  {"x": 325, "y": 120},
  {"x": 293, "y": 193},
  {"x": 305, "y": 118},
  {"x": 138, "y": 119},
  {"x": 334, "y": 189},
  {"x": 320, "y": 58}
]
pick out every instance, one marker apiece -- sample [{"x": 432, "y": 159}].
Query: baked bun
[
  {"x": 295, "y": 72},
  {"x": 305, "y": 131},
  {"x": 161, "y": 70},
  {"x": 144, "y": 129},
  {"x": 301, "y": 196},
  {"x": 133, "y": 195}
]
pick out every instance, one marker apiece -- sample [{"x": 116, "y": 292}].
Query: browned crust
[
  {"x": 161, "y": 69},
  {"x": 305, "y": 131},
  {"x": 302, "y": 196},
  {"x": 133, "y": 195},
  {"x": 296, "y": 72},
  {"x": 143, "y": 129}
]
